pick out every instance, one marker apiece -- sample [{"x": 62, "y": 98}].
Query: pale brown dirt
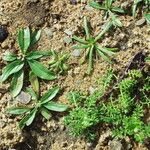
[{"x": 59, "y": 15}]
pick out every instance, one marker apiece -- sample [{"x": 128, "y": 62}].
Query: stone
[
  {"x": 89, "y": 8},
  {"x": 48, "y": 32},
  {"x": 140, "y": 22},
  {"x": 91, "y": 90},
  {"x": 115, "y": 145},
  {"x": 3, "y": 33},
  {"x": 67, "y": 40},
  {"x": 23, "y": 98},
  {"x": 68, "y": 32},
  {"x": 76, "y": 53}
]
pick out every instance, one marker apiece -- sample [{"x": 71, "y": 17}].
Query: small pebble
[
  {"x": 68, "y": 32},
  {"x": 76, "y": 53},
  {"x": 23, "y": 98},
  {"x": 67, "y": 40},
  {"x": 140, "y": 22},
  {"x": 48, "y": 32},
  {"x": 3, "y": 33},
  {"x": 115, "y": 145}
]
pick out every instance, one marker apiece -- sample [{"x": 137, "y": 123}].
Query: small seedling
[
  {"x": 24, "y": 60},
  {"x": 108, "y": 7},
  {"x": 58, "y": 62},
  {"x": 137, "y": 3},
  {"x": 91, "y": 45},
  {"x": 41, "y": 105}
]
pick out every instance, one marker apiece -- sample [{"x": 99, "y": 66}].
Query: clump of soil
[{"x": 54, "y": 17}]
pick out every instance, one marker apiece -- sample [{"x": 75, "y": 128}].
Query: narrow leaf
[
  {"x": 11, "y": 68},
  {"x": 97, "y": 5},
  {"x": 56, "y": 107},
  {"x": 80, "y": 46},
  {"x": 38, "y": 54},
  {"x": 103, "y": 55},
  {"x": 34, "y": 82},
  {"x": 17, "y": 110},
  {"x": 45, "y": 113},
  {"x": 24, "y": 39},
  {"x": 28, "y": 119},
  {"x": 147, "y": 16},
  {"x": 35, "y": 36},
  {"x": 90, "y": 65},
  {"x": 9, "y": 57},
  {"x": 118, "y": 10},
  {"x": 17, "y": 83},
  {"x": 80, "y": 40},
  {"x": 86, "y": 28},
  {"x": 32, "y": 93},
  {"x": 108, "y": 25},
  {"x": 49, "y": 95},
  {"x": 40, "y": 70}
]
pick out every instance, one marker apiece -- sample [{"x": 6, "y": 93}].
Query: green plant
[
  {"x": 124, "y": 110},
  {"x": 107, "y": 6},
  {"x": 90, "y": 44},
  {"x": 24, "y": 60},
  {"x": 137, "y": 3},
  {"x": 85, "y": 112},
  {"x": 58, "y": 62},
  {"x": 41, "y": 105},
  {"x": 110, "y": 11}
]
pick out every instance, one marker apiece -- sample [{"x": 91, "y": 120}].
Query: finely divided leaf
[
  {"x": 40, "y": 70},
  {"x": 56, "y": 106},
  {"x": 17, "y": 83},
  {"x": 17, "y": 110},
  {"x": 11, "y": 68},
  {"x": 49, "y": 95}
]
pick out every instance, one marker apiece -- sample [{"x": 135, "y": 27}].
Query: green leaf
[
  {"x": 108, "y": 25},
  {"x": 24, "y": 39},
  {"x": 9, "y": 57},
  {"x": 147, "y": 16},
  {"x": 17, "y": 83},
  {"x": 38, "y": 54},
  {"x": 103, "y": 55},
  {"x": 106, "y": 50},
  {"x": 97, "y": 5},
  {"x": 28, "y": 119},
  {"x": 80, "y": 46},
  {"x": 45, "y": 113},
  {"x": 49, "y": 95},
  {"x": 34, "y": 82},
  {"x": 86, "y": 28},
  {"x": 11, "y": 68},
  {"x": 82, "y": 41},
  {"x": 115, "y": 21},
  {"x": 32, "y": 93},
  {"x": 90, "y": 65},
  {"x": 35, "y": 36},
  {"x": 109, "y": 3},
  {"x": 118, "y": 10},
  {"x": 17, "y": 110},
  {"x": 56, "y": 107},
  {"x": 40, "y": 70}
]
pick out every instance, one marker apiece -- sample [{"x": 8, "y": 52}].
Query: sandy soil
[{"x": 54, "y": 17}]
